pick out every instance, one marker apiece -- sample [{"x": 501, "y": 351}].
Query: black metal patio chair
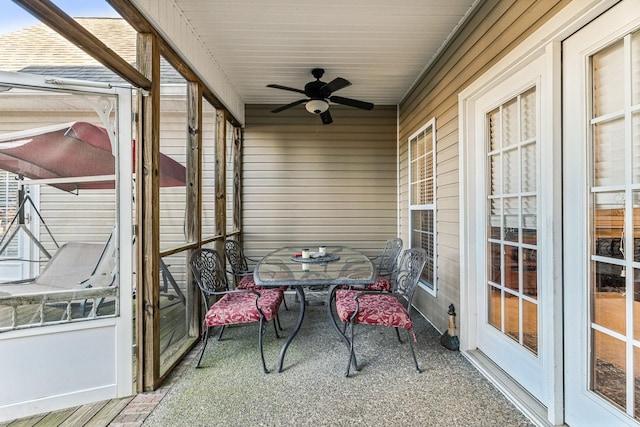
[
  {"x": 381, "y": 308},
  {"x": 233, "y": 307}
]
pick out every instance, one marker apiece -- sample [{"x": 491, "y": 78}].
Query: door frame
[{"x": 544, "y": 42}]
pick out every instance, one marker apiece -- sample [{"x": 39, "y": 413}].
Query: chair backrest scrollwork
[
  {"x": 235, "y": 255},
  {"x": 208, "y": 271},
  {"x": 410, "y": 269},
  {"x": 389, "y": 257}
]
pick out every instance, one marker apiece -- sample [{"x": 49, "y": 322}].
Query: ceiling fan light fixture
[{"x": 317, "y": 106}]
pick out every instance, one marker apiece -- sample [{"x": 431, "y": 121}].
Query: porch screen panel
[
  {"x": 512, "y": 279},
  {"x": 208, "y": 170},
  {"x": 173, "y": 289},
  {"x": 614, "y": 290}
]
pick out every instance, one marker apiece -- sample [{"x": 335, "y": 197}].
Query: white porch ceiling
[{"x": 380, "y": 46}]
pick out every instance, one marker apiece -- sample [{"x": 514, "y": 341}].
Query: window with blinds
[
  {"x": 512, "y": 139},
  {"x": 422, "y": 200}
]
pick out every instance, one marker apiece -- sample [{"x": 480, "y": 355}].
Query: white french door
[
  {"x": 601, "y": 208},
  {"x": 507, "y": 127}
]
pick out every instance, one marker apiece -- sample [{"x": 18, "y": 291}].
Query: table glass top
[{"x": 344, "y": 266}]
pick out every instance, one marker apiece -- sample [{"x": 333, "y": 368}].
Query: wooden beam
[
  {"x": 62, "y": 23},
  {"x": 148, "y": 231}
]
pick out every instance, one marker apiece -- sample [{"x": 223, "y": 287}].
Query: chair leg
[
  {"x": 352, "y": 353},
  {"x": 398, "y": 335},
  {"x": 284, "y": 301},
  {"x": 275, "y": 327},
  {"x": 413, "y": 353},
  {"x": 204, "y": 345},
  {"x": 220, "y": 333},
  {"x": 260, "y": 334}
]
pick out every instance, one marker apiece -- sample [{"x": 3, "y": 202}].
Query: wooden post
[
  {"x": 221, "y": 173},
  {"x": 193, "y": 226},
  {"x": 148, "y": 230},
  {"x": 237, "y": 179}
]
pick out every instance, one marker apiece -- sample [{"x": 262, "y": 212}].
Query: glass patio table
[{"x": 339, "y": 266}]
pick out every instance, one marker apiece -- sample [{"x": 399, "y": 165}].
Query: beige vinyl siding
[
  {"x": 496, "y": 28},
  {"x": 306, "y": 184}
]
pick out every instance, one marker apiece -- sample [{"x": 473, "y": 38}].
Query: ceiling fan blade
[
  {"x": 326, "y": 118},
  {"x": 293, "y": 104},
  {"x": 286, "y": 88},
  {"x": 351, "y": 102},
  {"x": 334, "y": 85}
]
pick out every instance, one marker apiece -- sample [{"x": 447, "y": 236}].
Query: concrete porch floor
[{"x": 230, "y": 389}]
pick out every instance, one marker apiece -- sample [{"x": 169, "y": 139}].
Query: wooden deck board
[
  {"x": 27, "y": 422},
  {"x": 82, "y": 414},
  {"x": 111, "y": 410},
  {"x": 56, "y": 418}
]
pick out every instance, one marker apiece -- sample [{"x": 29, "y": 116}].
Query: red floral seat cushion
[
  {"x": 235, "y": 308},
  {"x": 247, "y": 282},
  {"x": 381, "y": 284},
  {"x": 375, "y": 309}
]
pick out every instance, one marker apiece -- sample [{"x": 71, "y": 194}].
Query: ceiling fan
[{"x": 319, "y": 94}]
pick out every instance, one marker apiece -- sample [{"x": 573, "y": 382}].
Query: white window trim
[{"x": 433, "y": 289}]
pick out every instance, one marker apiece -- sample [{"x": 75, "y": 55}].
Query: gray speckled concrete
[{"x": 230, "y": 388}]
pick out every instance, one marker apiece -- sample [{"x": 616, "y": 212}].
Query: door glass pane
[
  {"x": 608, "y": 298},
  {"x": 512, "y": 316},
  {"x": 493, "y": 119},
  {"x": 608, "y": 153},
  {"x": 528, "y": 112},
  {"x": 494, "y": 304},
  {"x": 530, "y": 325},
  {"x": 511, "y": 172},
  {"x": 495, "y": 177},
  {"x": 529, "y": 173},
  {"x": 529, "y": 220},
  {"x": 608, "y": 87},
  {"x": 530, "y": 272},
  {"x": 510, "y": 134},
  {"x": 495, "y": 266},
  {"x": 511, "y": 267},
  {"x": 609, "y": 370},
  {"x": 512, "y": 219}
]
